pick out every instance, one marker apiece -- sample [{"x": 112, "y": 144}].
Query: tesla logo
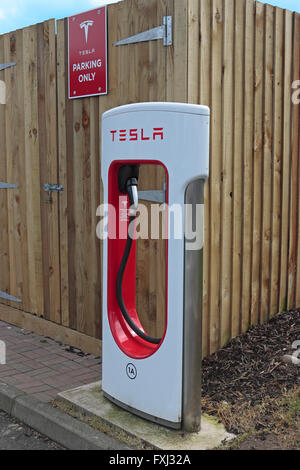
[
  {"x": 125, "y": 135},
  {"x": 85, "y": 25}
]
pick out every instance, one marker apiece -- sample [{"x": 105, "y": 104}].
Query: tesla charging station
[{"x": 156, "y": 378}]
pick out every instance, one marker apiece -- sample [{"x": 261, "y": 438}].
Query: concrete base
[{"x": 137, "y": 432}]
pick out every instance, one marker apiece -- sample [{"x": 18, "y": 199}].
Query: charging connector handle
[
  {"x": 132, "y": 192},
  {"x": 130, "y": 184}
]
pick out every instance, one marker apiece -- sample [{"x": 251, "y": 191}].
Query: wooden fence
[
  {"x": 237, "y": 56},
  {"x": 249, "y": 57}
]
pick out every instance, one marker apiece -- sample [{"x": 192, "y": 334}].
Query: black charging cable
[{"x": 128, "y": 182}]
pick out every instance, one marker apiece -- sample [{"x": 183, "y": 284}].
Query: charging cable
[{"x": 128, "y": 182}]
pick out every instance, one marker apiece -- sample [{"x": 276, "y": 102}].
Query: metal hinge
[
  {"x": 7, "y": 65},
  {"x": 154, "y": 195},
  {"x": 11, "y": 298},
  {"x": 8, "y": 186},
  {"x": 164, "y": 32},
  {"x": 53, "y": 188}
]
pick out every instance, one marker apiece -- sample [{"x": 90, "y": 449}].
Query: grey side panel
[{"x": 193, "y": 289}]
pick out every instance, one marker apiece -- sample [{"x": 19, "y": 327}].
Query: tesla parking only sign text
[{"x": 88, "y": 54}]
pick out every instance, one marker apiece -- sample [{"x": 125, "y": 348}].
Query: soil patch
[
  {"x": 252, "y": 367},
  {"x": 252, "y": 385}
]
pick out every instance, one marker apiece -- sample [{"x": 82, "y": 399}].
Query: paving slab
[
  {"x": 89, "y": 399},
  {"x": 42, "y": 367}
]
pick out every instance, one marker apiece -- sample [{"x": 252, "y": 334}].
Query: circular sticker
[{"x": 131, "y": 371}]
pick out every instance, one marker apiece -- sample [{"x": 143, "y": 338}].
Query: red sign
[{"x": 88, "y": 54}]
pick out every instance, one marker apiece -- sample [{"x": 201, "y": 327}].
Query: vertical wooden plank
[
  {"x": 90, "y": 194},
  {"x": 42, "y": 95},
  {"x": 111, "y": 99},
  {"x": 146, "y": 288},
  {"x": 157, "y": 60},
  {"x": 4, "y": 247},
  {"x": 286, "y": 158},
  {"x": 32, "y": 171},
  {"x": 47, "y": 115},
  {"x": 257, "y": 162},
  {"x": 277, "y": 164},
  {"x": 62, "y": 165},
  {"x": 248, "y": 164},
  {"x": 215, "y": 173},
  {"x": 18, "y": 91},
  {"x": 238, "y": 158},
  {"x": 267, "y": 162},
  {"x": 227, "y": 169},
  {"x": 205, "y": 99},
  {"x": 15, "y": 151},
  {"x": 161, "y": 265},
  {"x": 80, "y": 211},
  {"x": 70, "y": 193},
  {"x": 294, "y": 247},
  {"x": 127, "y": 85},
  {"x": 157, "y": 92},
  {"x": 94, "y": 253},
  {"x": 49, "y": 59},
  {"x": 78, "y": 155},
  {"x": 177, "y": 55},
  {"x": 151, "y": 262},
  {"x": 12, "y": 175},
  {"x": 193, "y": 51}
]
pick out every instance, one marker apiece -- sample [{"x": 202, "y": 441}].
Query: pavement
[
  {"x": 42, "y": 367},
  {"x": 15, "y": 436},
  {"x": 36, "y": 370}
]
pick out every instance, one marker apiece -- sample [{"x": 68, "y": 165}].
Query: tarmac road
[{"x": 16, "y": 436}]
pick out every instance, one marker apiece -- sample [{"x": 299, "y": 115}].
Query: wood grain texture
[
  {"x": 216, "y": 173},
  {"x": 62, "y": 91},
  {"x": 238, "y": 160},
  {"x": 248, "y": 64},
  {"x": 47, "y": 112},
  {"x": 4, "y": 238},
  {"x": 294, "y": 249},
  {"x": 277, "y": 162},
  {"x": 227, "y": 173},
  {"x": 286, "y": 157},
  {"x": 237, "y": 56},
  {"x": 205, "y": 60},
  {"x": 30, "y": 153},
  {"x": 257, "y": 162},
  {"x": 268, "y": 124},
  {"x": 49, "y": 329}
]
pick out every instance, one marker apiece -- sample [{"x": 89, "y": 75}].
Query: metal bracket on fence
[
  {"x": 7, "y": 65},
  {"x": 53, "y": 188},
  {"x": 154, "y": 195},
  {"x": 5, "y": 296},
  {"x": 164, "y": 32},
  {"x": 8, "y": 186}
]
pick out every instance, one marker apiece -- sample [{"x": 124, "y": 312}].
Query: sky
[{"x": 16, "y": 14}]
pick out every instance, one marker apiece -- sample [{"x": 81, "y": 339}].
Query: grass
[{"x": 272, "y": 424}]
